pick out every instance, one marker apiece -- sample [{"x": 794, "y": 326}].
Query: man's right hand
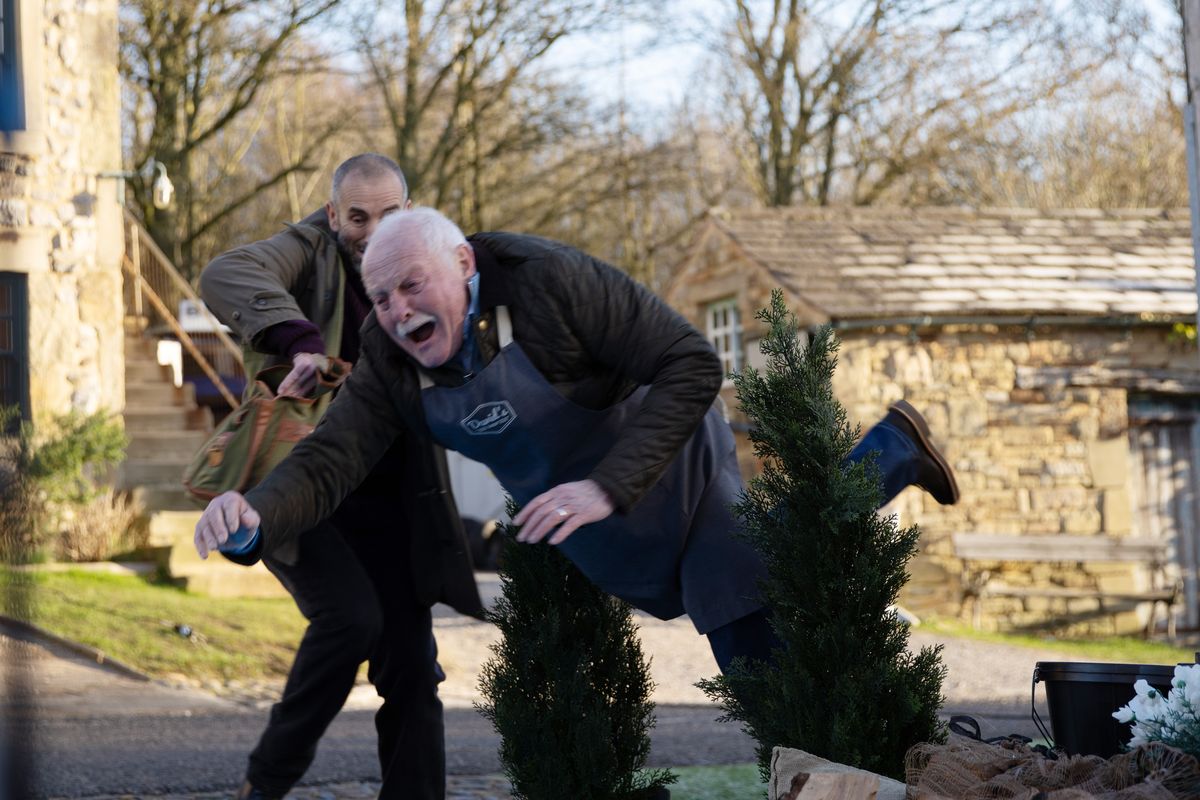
[
  {"x": 302, "y": 380},
  {"x": 225, "y": 514}
]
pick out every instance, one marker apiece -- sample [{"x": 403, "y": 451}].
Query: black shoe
[
  {"x": 933, "y": 473},
  {"x": 248, "y": 792}
]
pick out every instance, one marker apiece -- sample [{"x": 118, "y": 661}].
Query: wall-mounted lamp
[{"x": 162, "y": 191}]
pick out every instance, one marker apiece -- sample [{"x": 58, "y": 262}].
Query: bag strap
[{"x": 333, "y": 338}]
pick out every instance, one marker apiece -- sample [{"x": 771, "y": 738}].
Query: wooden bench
[{"x": 980, "y": 583}]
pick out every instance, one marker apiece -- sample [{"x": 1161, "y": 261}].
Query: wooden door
[{"x": 1164, "y": 442}]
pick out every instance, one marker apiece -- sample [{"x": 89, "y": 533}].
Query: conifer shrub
[
  {"x": 844, "y": 685},
  {"x": 567, "y": 688}
]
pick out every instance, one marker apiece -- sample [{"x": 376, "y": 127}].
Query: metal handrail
[{"x": 153, "y": 277}]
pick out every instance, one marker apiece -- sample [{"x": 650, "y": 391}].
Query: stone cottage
[
  {"x": 1048, "y": 350},
  {"x": 60, "y": 220}
]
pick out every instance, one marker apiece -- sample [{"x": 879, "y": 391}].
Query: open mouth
[{"x": 422, "y": 332}]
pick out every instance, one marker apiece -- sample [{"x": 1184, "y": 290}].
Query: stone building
[
  {"x": 1045, "y": 349},
  {"x": 60, "y": 220}
]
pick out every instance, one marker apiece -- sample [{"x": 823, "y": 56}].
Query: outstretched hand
[
  {"x": 224, "y": 515},
  {"x": 566, "y": 508}
]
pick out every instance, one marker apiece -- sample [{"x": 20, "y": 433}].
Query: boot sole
[{"x": 904, "y": 409}]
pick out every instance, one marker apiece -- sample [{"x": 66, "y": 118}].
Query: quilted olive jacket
[{"x": 594, "y": 333}]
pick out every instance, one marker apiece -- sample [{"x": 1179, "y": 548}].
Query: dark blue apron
[{"x": 674, "y": 552}]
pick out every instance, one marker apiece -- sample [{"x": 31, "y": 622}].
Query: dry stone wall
[
  {"x": 59, "y": 221},
  {"x": 1030, "y": 457}
]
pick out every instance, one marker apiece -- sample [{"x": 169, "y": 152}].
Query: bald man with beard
[{"x": 366, "y": 572}]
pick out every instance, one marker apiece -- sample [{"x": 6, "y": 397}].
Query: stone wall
[
  {"x": 1030, "y": 458},
  {"x": 1034, "y": 422},
  {"x": 59, "y": 221}
]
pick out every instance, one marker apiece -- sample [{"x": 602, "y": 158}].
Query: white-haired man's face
[{"x": 420, "y": 297}]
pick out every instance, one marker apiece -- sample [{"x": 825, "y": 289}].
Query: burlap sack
[{"x": 787, "y": 763}]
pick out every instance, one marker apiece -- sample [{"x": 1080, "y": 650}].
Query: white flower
[
  {"x": 1192, "y": 695},
  {"x": 1149, "y": 703},
  {"x": 1139, "y": 736},
  {"x": 1173, "y": 719},
  {"x": 1187, "y": 678}
]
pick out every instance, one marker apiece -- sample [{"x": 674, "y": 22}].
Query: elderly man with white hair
[{"x": 588, "y": 397}]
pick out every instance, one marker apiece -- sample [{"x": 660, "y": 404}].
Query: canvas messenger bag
[{"x": 259, "y": 433}]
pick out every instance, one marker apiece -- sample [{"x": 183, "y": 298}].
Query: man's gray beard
[{"x": 348, "y": 255}]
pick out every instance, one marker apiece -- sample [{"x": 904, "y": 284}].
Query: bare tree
[
  {"x": 839, "y": 102},
  {"x": 299, "y": 120},
  {"x": 458, "y": 86},
  {"x": 194, "y": 70},
  {"x": 631, "y": 199},
  {"x": 1123, "y": 150}
]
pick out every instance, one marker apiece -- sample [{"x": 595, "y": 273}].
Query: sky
[{"x": 657, "y": 70}]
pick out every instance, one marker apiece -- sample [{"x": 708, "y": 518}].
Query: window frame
[
  {"x": 725, "y": 333},
  {"x": 12, "y": 89},
  {"x": 18, "y": 352}
]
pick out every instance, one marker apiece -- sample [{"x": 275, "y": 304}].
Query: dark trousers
[
  {"x": 351, "y": 584},
  {"x": 752, "y": 636}
]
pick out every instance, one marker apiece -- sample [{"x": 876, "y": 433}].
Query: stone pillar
[{"x": 60, "y": 223}]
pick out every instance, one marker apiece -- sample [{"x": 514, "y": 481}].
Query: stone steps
[
  {"x": 141, "y": 370},
  {"x": 164, "y": 497},
  {"x": 216, "y": 576},
  {"x": 166, "y": 428},
  {"x": 159, "y": 443},
  {"x": 159, "y": 393},
  {"x": 166, "y": 528},
  {"x": 167, "y": 418},
  {"x": 157, "y": 471}
]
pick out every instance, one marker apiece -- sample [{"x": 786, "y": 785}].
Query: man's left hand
[{"x": 566, "y": 507}]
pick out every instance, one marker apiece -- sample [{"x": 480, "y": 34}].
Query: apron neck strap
[{"x": 503, "y": 326}]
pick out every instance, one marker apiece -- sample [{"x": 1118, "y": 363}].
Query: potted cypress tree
[
  {"x": 567, "y": 688},
  {"x": 843, "y": 686}
]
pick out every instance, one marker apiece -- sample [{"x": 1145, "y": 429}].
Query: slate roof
[{"x": 900, "y": 262}]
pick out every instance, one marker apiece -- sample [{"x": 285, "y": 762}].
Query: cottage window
[
  {"x": 12, "y": 95},
  {"x": 724, "y": 328},
  {"x": 14, "y": 357}
]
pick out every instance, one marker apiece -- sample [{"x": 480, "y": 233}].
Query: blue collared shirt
[{"x": 467, "y": 357}]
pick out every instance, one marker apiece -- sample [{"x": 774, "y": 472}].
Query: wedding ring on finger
[{"x": 561, "y": 512}]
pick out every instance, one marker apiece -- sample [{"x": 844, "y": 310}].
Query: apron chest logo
[{"x": 489, "y": 418}]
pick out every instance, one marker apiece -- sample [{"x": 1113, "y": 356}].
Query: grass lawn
[
  {"x": 1113, "y": 649},
  {"x": 734, "y": 782},
  {"x": 133, "y": 621}
]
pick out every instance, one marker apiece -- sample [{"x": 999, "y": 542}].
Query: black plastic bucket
[{"x": 1082, "y": 698}]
